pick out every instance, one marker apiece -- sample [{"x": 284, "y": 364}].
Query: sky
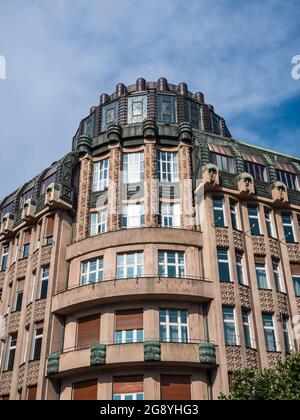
[{"x": 62, "y": 54}]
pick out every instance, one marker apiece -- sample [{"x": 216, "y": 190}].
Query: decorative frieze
[
  {"x": 46, "y": 255},
  {"x": 294, "y": 252},
  {"x": 274, "y": 248},
  {"x": 33, "y": 373},
  {"x": 266, "y": 301},
  {"x": 14, "y": 322},
  {"x": 234, "y": 358},
  {"x": 5, "y": 383},
  {"x": 21, "y": 377},
  {"x": 222, "y": 237},
  {"x": 273, "y": 359},
  {"x": 238, "y": 240},
  {"x": 22, "y": 267},
  {"x": 283, "y": 303},
  {"x": 39, "y": 310},
  {"x": 245, "y": 296},
  {"x": 252, "y": 359},
  {"x": 259, "y": 247},
  {"x": 227, "y": 294}
]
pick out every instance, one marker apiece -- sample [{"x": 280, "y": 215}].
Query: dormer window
[
  {"x": 137, "y": 109},
  {"x": 257, "y": 170},
  {"x": 47, "y": 181},
  {"x": 25, "y": 196},
  {"x": 166, "y": 109},
  {"x": 89, "y": 125},
  {"x": 291, "y": 180},
  {"x": 110, "y": 113}
]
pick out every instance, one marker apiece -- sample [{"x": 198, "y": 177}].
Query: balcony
[
  {"x": 133, "y": 354},
  {"x": 141, "y": 288}
]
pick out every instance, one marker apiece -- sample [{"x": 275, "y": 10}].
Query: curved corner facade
[{"x": 155, "y": 259}]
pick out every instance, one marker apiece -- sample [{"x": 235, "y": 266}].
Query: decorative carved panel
[
  {"x": 5, "y": 383},
  {"x": 252, "y": 359},
  {"x": 245, "y": 296},
  {"x": 28, "y": 314},
  {"x": 238, "y": 240},
  {"x": 266, "y": 301},
  {"x": 294, "y": 252},
  {"x": 21, "y": 376},
  {"x": 259, "y": 247},
  {"x": 46, "y": 255},
  {"x": 298, "y": 304},
  {"x": 227, "y": 294},
  {"x": 222, "y": 237},
  {"x": 2, "y": 276},
  {"x": 14, "y": 322},
  {"x": 22, "y": 267},
  {"x": 33, "y": 373},
  {"x": 283, "y": 303},
  {"x": 35, "y": 259},
  {"x": 234, "y": 358},
  {"x": 273, "y": 359},
  {"x": 11, "y": 273},
  {"x": 39, "y": 310}
]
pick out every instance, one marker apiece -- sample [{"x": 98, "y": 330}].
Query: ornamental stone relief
[
  {"x": 234, "y": 358},
  {"x": 11, "y": 273},
  {"x": 259, "y": 245},
  {"x": 5, "y": 383},
  {"x": 274, "y": 248},
  {"x": 283, "y": 303},
  {"x": 113, "y": 191},
  {"x": 266, "y": 301},
  {"x": 46, "y": 255},
  {"x": 252, "y": 359},
  {"x": 273, "y": 359},
  {"x": 238, "y": 240},
  {"x": 245, "y": 296},
  {"x": 150, "y": 185},
  {"x": 28, "y": 314},
  {"x": 33, "y": 373},
  {"x": 2, "y": 276},
  {"x": 35, "y": 259},
  {"x": 14, "y": 322},
  {"x": 227, "y": 294},
  {"x": 22, "y": 267},
  {"x": 39, "y": 310},
  {"x": 222, "y": 237},
  {"x": 82, "y": 220},
  {"x": 21, "y": 377},
  {"x": 294, "y": 252}
]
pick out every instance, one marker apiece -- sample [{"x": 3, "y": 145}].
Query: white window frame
[
  {"x": 170, "y": 215},
  {"x": 250, "y": 326},
  {"x": 33, "y": 284},
  {"x": 134, "y": 213},
  {"x": 290, "y": 224},
  {"x": 179, "y": 324},
  {"x": 273, "y": 328},
  {"x": 234, "y": 212},
  {"x": 133, "y": 167},
  {"x": 101, "y": 175},
  {"x": 270, "y": 222},
  {"x": 16, "y": 299},
  {"x": 262, "y": 267},
  {"x": 98, "y": 222},
  {"x": 26, "y": 344},
  {"x": 99, "y": 270},
  {"x": 135, "y": 118},
  {"x": 225, "y": 261},
  {"x": 242, "y": 265},
  {"x": 285, "y": 322},
  {"x": 217, "y": 208},
  {"x": 44, "y": 278},
  {"x": 257, "y": 217},
  {"x": 177, "y": 265},
  {"x": 231, "y": 321},
  {"x": 168, "y": 159},
  {"x": 5, "y": 253},
  {"x": 35, "y": 338},
  {"x": 132, "y": 394},
  {"x": 134, "y": 338},
  {"x": 126, "y": 266},
  {"x": 11, "y": 348},
  {"x": 279, "y": 273}
]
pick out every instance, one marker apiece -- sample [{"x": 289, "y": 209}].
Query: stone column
[{"x": 115, "y": 165}]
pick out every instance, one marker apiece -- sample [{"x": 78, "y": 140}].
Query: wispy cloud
[{"x": 62, "y": 54}]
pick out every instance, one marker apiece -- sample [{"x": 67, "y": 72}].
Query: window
[
  {"x": 7, "y": 209},
  {"x": 129, "y": 326},
  {"x": 25, "y": 253},
  {"x": 19, "y": 300},
  {"x": 128, "y": 388},
  {"x": 133, "y": 216},
  {"x": 88, "y": 331},
  {"x": 240, "y": 269},
  {"x": 89, "y": 125},
  {"x": 219, "y": 217},
  {"x": 224, "y": 163},
  {"x": 31, "y": 393},
  {"x": 286, "y": 335},
  {"x": 101, "y": 175},
  {"x": 25, "y": 196},
  {"x": 229, "y": 326},
  {"x": 223, "y": 264},
  {"x": 269, "y": 224},
  {"x": 234, "y": 215},
  {"x": 91, "y": 271},
  {"x": 85, "y": 390},
  {"x": 167, "y": 166},
  {"x": 261, "y": 275},
  {"x": 4, "y": 259},
  {"x": 170, "y": 215},
  {"x": 130, "y": 265},
  {"x": 173, "y": 326},
  {"x": 11, "y": 350},
  {"x": 47, "y": 181},
  {"x": 37, "y": 343},
  {"x": 289, "y": 179},
  {"x": 194, "y": 115},
  {"x": 50, "y": 230},
  {"x": 254, "y": 220},
  {"x": 247, "y": 328},
  {"x": 44, "y": 282},
  {"x": 215, "y": 123},
  {"x": 171, "y": 264},
  {"x": 258, "y": 171},
  {"x": 110, "y": 113},
  {"x": 98, "y": 222},
  {"x": 295, "y": 269},
  {"x": 277, "y": 276},
  {"x": 137, "y": 109},
  {"x": 269, "y": 331},
  {"x": 166, "y": 109},
  {"x": 133, "y": 167},
  {"x": 287, "y": 221},
  {"x": 175, "y": 387}
]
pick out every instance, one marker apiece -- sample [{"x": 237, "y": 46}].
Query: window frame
[
  {"x": 127, "y": 220},
  {"x": 224, "y": 261},
  {"x": 169, "y": 217},
  {"x": 256, "y": 217},
  {"x": 289, "y": 179},
  {"x": 100, "y": 175},
  {"x": 257, "y": 170},
  {"x": 288, "y": 225},
  {"x": 138, "y": 268},
  {"x": 270, "y": 328},
  {"x": 132, "y": 117},
  {"x": 98, "y": 226},
  {"x": 227, "y": 322},
  {"x": 133, "y": 168},
  {"x": 163, "y": 267},
  {"x": 44, "y": 279},
  {"x": 4, "y": 258},
  {"x": 98, "y": 271},
  {"x": 11, "y": 351},
  {"x": 224, "y": 163},
  {"x": 219, "y": 221},
  {"x": 169, "y": 162},
  {"x": 179, "y": 324},
  {"x": 37, "y": 343}
]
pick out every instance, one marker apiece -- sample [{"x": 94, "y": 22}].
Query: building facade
[{"x": 153, "y": 260}]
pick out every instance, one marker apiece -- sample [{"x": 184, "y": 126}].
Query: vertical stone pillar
[
  {"x": 84, "y": 193},
  {"x": 114, "y": 187},
  {"x": 186, "y": 187}
]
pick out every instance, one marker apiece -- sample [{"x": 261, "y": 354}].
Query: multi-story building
[{"x": 153, "y": 260}]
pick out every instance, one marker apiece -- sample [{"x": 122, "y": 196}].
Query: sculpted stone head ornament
[{"x": 213, "y": 172}]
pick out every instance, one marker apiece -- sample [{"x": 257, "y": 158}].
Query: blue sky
[{"x": 62, "y": 54}]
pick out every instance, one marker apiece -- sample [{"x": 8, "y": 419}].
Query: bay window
[
  {"x": 224, "y": 163},
  {"x": 258, "y": 171}
]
